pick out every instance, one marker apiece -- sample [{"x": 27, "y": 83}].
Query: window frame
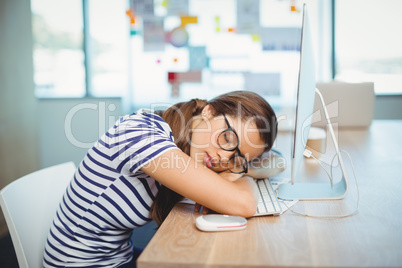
[{"x": 86, "y": 48}]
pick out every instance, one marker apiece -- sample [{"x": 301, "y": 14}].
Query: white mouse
[{"x": 217, "y": 222}]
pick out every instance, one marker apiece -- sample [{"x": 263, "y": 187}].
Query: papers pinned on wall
[
  {"x": 143, "y": 8},
  {"x": 177, "y": 7},
  {"x": 198, "y": 57},
  {"x": 154, "y": 34},
  {"x": 176, "y": 78},
  {"x": 280, "y": 38},
  {"x": 248, "y": 16}
]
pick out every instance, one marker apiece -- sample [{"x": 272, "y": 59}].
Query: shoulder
[
  {"x": 144, "y": 121},
  {"x": 139, "y": 118},
  {"x": 136, "y": 139}
]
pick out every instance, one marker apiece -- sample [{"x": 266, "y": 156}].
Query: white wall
[
  {"x": 32, "y": 131},
  {"x": 18, "y": 105},
  {"x": 69, "y": 127},
  {"x": 19, "y": 150}
]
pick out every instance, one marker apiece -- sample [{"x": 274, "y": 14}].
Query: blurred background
[{"x": 70, "y": 68}]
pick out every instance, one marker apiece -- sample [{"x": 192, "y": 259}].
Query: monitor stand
[{"x": 318, "y": 191}]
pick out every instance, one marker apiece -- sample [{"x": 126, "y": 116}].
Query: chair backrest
[
  {"x": 29, "y": 205},
  {"x": 348, "y": 104}
]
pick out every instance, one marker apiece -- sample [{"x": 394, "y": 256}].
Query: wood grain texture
[{"x": 371, "y": 238}]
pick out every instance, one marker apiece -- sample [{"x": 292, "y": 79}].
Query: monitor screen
[
  {"x": 306, "y": 92},
  {"x": 305, "y": 95}
]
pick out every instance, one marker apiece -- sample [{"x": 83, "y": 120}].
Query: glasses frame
[{"x": 238, "y": 153}]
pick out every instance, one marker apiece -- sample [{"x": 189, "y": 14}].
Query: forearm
[
  {"x": 248, "y": 188},
  {"x": 205, "y": 186},
  {"x": 250, "y": 185},
  {"x": 250, "y": 195}
]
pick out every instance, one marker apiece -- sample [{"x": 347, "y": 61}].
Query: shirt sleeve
[{"x": 139, "y": 141}]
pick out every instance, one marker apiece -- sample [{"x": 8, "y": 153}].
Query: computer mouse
[{"x": 218, "y": 222}]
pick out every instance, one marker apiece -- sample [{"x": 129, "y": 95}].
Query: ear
[{"x": 208, "y": 112}]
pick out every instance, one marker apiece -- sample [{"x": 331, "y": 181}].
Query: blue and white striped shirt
[{"x": 108, "y": 196}]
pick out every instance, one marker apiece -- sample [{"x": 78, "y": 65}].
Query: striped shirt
[{"x": 108, "y": 196}]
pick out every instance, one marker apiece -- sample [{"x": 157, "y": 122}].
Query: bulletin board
[{"x": 200, "y": 48}]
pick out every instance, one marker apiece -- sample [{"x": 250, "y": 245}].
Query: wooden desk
[{"x": 371, "y": 238}]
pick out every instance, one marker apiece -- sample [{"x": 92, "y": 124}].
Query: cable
[
  {"x": 307, "y": 153},
  {"x": 277, "y": 152},
  {"x": 332, "y": 216}
]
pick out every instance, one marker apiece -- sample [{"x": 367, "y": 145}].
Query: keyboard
[{"x": 268, "y": 202}]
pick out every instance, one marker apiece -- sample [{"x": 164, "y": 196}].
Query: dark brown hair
[{"x": 243, "y": 104}]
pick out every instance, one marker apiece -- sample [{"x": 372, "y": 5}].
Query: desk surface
[{"x": 371, "y": 238}]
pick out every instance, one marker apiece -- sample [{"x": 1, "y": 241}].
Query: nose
[{"x": 224, "y": 155}]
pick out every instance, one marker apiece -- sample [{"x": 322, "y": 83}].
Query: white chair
[
  {"x": 29, "y": 205},
  {"x": 348, "y": 104}
]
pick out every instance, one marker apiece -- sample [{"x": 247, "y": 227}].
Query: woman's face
[{"x": 205, "y": 140}]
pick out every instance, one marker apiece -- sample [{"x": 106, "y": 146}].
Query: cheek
[
  {"x": 253, "y": 148},
  {"x": 213, "y": 139},
  {"x": 199, "y": 141},
  {"x": 204, "y": 140},
  {"x": 253, "y": 143}
]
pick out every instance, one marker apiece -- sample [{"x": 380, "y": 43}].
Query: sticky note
[
  {"x": 255, "y": 37},
  {"x": 187, "y": 20}
]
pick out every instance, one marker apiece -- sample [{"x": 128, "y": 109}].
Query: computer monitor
[{"x": 306, "y": 91}]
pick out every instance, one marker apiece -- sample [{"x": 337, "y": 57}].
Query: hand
[
  {"x": 226, "y": 175},
  {"x": 205, "y": 210}
]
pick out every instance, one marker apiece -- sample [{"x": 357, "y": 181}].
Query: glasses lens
[
  {"x": 237, "y": 164},
  {"x": 228, "y": 140}
]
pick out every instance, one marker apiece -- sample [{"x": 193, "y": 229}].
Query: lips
[{"x": 209, "y": 161}]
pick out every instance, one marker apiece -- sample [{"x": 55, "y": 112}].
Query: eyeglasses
[{"x": 229, "y": 141}]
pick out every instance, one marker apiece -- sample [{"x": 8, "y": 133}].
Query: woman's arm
[
  {"x": 269, "y": 165},
  {"x": 180, "y": 173}
]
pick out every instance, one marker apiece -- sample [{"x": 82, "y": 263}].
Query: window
[
  {"x": 80, "y": 48},
  {"x": 215, "y": 46},
  {"x": 108, "y": 41},
  {"x": 57, "y": 52},
  {"x": 175, "y": 50},
  {"x": 368, "y": 44}
]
